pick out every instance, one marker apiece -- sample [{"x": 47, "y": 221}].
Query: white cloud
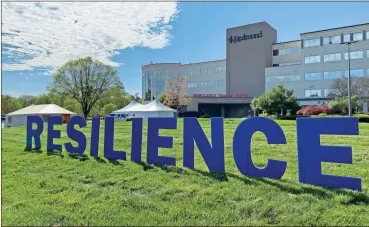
[{"x": 46, "y": 35}]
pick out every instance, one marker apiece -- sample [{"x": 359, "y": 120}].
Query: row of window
[
  {"x": 205, "y": 71},
  {"x": 285, "y": 51},
  {"x": 208, "y": 83},
  {"x": 336, "y": 57},
  {"x": 317, "y": 76},
  {"x": 358, "y": 36},
  {"x": 317, "y": 92},
  {"x": 285, "y": 78}
]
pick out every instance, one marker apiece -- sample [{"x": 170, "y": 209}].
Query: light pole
[{"x": 349, "y": 76}]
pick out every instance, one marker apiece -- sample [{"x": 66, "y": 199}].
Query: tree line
[{"x": 84, "y": 86}]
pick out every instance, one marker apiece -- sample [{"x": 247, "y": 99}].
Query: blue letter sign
[
  {"x": 311, "y": 153},
  {"x": 154, "y": 141},
  {"x": 242, "y": 147},
  {"x": 34, "y": 133},
  {"x": 213, "y": 156}
]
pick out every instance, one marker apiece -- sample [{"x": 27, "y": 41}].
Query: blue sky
[{"x": 197, "y": 34}]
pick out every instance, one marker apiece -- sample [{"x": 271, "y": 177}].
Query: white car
[{"x": 121, "y": 117}]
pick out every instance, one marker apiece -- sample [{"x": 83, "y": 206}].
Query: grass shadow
[
  {"x": 55, "y": 152},
  {"x": 80, "y": 157},
  {"x": 300, "y": 189},
  {"x": 100, "y": 160},
  {"x": 169, "y": 169},
  {"x": 33, "y": 150},
  {"x": 144, "y": 165},
  {"x": 115, "y": 162},
  {"x": 214, "y": 175}
]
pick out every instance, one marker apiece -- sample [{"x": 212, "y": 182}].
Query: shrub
[
  {"x": 316, "y": 110},
  {"x": 292, "y": 117},
  {"x": 323, "y": 115},
  {"x": 363, "y": 118}
]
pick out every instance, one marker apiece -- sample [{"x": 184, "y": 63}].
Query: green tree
[
  {"x": 164, "y": 99},
  {"x": 26, "y": 100},
  {"x": 72, "y": 105},
  {"x": 341, "y": 103},
  {"x": 107, "y": 109},
  {"x": 10, "y": 104},
  {"x": 276, "y": 100},
  {"x": 42, "y": 99},
  {"x": 86, "y": 80}
]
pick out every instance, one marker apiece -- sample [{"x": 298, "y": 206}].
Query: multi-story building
[
  {"x": 309, "y": 65},
  {"x": 256, "y": 63}
]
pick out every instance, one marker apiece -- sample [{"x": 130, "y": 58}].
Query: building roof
[
  {"x": 330, "y": 29},
  {"x": 41, "y": 109}
]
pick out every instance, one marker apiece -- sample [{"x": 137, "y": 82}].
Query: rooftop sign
[
  {"x": 220, "y": 96},
  {"x": 235, "y": 39},
  {"x": 310, "y": 153}
]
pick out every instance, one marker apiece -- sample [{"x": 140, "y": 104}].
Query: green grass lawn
[{"x": 41, "y": 188}]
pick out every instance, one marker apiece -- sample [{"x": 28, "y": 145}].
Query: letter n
[{"x": 213, "y": 155}]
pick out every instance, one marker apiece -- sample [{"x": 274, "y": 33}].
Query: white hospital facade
[{"x": 256, "y": 63}]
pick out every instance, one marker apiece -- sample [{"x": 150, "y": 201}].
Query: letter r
[{"x": 34, "y": 133}]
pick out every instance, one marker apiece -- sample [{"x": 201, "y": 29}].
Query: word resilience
[{"x": 310, "y": 153}]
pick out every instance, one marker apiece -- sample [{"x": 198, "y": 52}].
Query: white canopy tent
[
  {"x": 126, "y": 108},
  {"x": 19, "y": 117},
  {"x": 152, "y": 109}
]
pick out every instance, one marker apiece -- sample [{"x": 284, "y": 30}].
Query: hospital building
[{"x": 255, "y": 63}]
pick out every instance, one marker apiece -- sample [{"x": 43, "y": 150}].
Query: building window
[
  {"x": 284, "y": 78},
  {"x": 332, "y": 39},
  {"x": 367, "y": 35},
  {"x": 357, "y": 36},
  {"x": 275, "y": 52},
  {"x": 210, "y": 70},
  {"x": 205, "y": 83},
  {"x": 347, "y": 38},
  {"x": 218, "y": 83},
  {"x": 311, "y": 42},
  {"x": 219, "y": 69},
  {"x": 354, "y": 55},
  {"x": 328, "y": 92},
  {"x": 313, "y": 93},
  {"x": 191, "y": 84},
  {"x": 353, "y": 37},
  {"x": 289, "y": 63},
  {"x": 191, "y": 72},
  {"x": 332, "y": 57},
  {"x": 312, "y": 59},
  {"x": 332, "y": 75},
  {"x": 355, "y": 73},
  {"x": 203, "y": 70},
  {"x": 147, "y": 85},
  {"x": 312, "y": 76},
  {"x": 290, "y": 50},
  {"x": 367, "y": 52}
]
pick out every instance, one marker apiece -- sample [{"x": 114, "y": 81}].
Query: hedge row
[{"x": 362, "y": 118}]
